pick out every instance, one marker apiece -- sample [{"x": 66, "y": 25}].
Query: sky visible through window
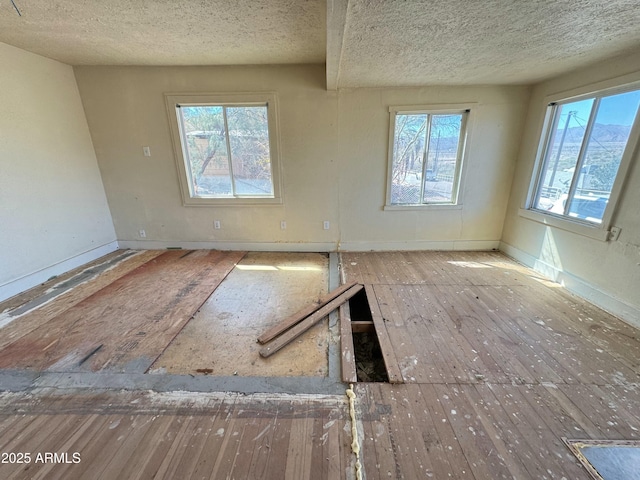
[
  {"x": 615, "y": 113},
  {"x": 584, "y": 153}
]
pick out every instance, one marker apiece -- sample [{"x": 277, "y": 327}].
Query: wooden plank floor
[
  {"x": 477, "y": 317},
  {"x": 176, "y": 435},
  {"x": 498, "y": 365}
]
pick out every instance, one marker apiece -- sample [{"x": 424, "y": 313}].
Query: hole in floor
[{"x": 370, "y": 365}]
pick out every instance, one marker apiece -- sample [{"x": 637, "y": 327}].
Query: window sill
[
  {"x": 231, "y": 202},
  {"x": 427, "y": 206},
  {"x": 597, "y": 232}
]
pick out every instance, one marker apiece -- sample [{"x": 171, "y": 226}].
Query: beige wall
[
  {"x": 334, "y": 160},
  {"x": 363, "y": 138},
  {"x": 53, "y": 209},
  {"x": 608, "y": 273}
]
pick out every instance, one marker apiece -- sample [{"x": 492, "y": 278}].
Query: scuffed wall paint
[{"x": 333, "y": 156}]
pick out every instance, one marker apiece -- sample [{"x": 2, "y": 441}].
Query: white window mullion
[
  {"x": 582, "y": 155},
  {"x": 230, "y": 162},
  {"x": 460, "y": 153},
  {"x": 425, "y": 157}
]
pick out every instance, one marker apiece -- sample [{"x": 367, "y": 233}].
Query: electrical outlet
[
  {"x": 146, "y": 151},
  {"x": 217, "y": 225},
  {"x": 614, "y": 233},
  {"x": 326, "y": 225},
  {"x": 142, "y": 234},
  {"x": 283, "y": 225}
]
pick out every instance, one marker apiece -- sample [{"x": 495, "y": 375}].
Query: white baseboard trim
[
  {"x": 420, "y": 245},
  {"x": 245, "y": 246},
  {"x": 313, "y": 246},
  {"x": 576, "y": 285},
  {"x": 549, "y": 271},
  {"x": 30, "y": 280}
]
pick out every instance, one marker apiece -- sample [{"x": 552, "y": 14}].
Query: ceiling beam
[{"x": 336, "y": 24}]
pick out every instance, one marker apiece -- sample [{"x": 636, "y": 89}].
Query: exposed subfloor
[
  {"x": 492, "y": 367},
  {"x": 259, "y": 292}
]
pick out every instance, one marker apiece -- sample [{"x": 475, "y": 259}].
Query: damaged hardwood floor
[
  {"x": 107, "y": 323},
  {"x": 170, "y": 313},
  {"x": 493, "y": 367},
  {"x": 140, "y": 435},
  {"x": 490, "y": 367},
  {"x": 122, "y": 326}
]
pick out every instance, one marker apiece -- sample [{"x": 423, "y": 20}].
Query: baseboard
[
  {"x": 26, "y": 282},
  {"x": 313, "y": 246},
  {"x": 577, "y": 286},
  {"x": 244, "y": 246},
  {"x": 420, "y": 245},
  {"x": 549, "y": 271}
]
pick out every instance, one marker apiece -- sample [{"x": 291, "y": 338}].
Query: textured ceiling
[
  {"x": 168, "y": 32},
  {"x": 420, "y": 42},
  {"x": 365, "y": 43}
]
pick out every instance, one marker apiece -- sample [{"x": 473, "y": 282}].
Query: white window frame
[
  {"x": 449, "y": 109},
  {"x": 173, "y": 100},
  {"x": 598, "y": 231}
]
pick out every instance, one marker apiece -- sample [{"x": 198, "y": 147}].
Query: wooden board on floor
[
  {"x": 388, "y": 354},
  {"x": 134, "y": 318},
  {"x": 297, "y": 317},
  {"x": 300, "y": 328}
]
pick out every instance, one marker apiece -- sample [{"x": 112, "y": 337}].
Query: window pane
[
  {"x": 250, "y": 154},
  {"x": 562, "y": 155},
  {"x": 442, "y": 157},
  {"x": 206, "y": 148},
  {"x": 605, "y": 148},
  {"x": 408, "y": 154}
]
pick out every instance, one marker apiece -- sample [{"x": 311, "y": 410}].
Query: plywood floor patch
[{"x": 265, "y": 288}]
